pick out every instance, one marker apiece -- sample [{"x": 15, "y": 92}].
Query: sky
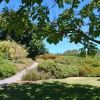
[{"x": 63, "y": 45}]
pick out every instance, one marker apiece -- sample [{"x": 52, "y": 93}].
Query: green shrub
[
  {"x": 47, "y": 56},
  {"x": 68, "y": 60},
  {"x": 97, "y": 70},
  {"x": 72, "y": 71},
  {"x": 12, "y": 50},
  {"x": 87, "y": 71},
  {"x": 6, "y": 69},
  {"x": 54, "y": 70},
  {"x": 33, "y": 75},
  {"x": 57, "y": 70},
  {"x": 2, "y": 55}
]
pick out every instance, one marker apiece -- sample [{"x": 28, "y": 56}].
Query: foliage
[
  {"x": 18, "y": 52},
  {"x": 36, "y": 47},
  {"x": 47, "y": 56},
  {"x": 87, "y": 71},
  {"x": 77, "y": 61},
  {"x": 33, "y": 42},
  {"x": 34, "y": 75},
  {"x": 69, "y": 60},
  {"x": 7, "y": 69},
  {"x": 69, "y": 23},
  {"x": 12, "y": 50},
  {"x": 65, "y": 66},
  {"x": 47, "y": 70},
  {"x": 2, "y": 55}
]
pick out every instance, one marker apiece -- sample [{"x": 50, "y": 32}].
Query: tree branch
[
  {"x": 84, "y": 35},
  {"x": 27, "y": 4},
  {"x": 1, "y": 1}
]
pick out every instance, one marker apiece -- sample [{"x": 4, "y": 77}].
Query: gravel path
[{"x": 16, "y": 77}]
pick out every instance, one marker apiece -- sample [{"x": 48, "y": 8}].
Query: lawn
[
  {"x": 94, "y": 81},
  {"x": 53, "y": 90}
]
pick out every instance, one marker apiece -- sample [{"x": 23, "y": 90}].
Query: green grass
[
  {"x": 53, "y": 90},
  {"x": 94, "y": 81}
]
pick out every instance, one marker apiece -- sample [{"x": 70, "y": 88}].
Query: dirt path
[{"x": 18, "y": 76}]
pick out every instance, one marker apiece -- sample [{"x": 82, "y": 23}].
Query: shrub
[
  {"x": 72, "y": 71},
  {"x": 68, "y": 60},
  {"x": 97, "y": 70},
  {"x": 77, "y": 61},
  {"x": 2, "y": 55},
  {"x": 13, "y": 50},
  {"x": 87, "y": 71},
  {"x": 57, "y": 70},
  {"x": 33, "y": 75},
  {"x": 47, "y": 70},
  {"x": 6, "y": 69},
  {"x": 47, "y": 56}
]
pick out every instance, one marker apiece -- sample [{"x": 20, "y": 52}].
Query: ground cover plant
[{"x": 49, "y": 91}]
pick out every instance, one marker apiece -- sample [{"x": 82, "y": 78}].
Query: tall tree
[{"x": 68, "y": 24}]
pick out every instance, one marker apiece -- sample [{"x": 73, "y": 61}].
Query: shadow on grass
[{"x": 49, "y": 91}]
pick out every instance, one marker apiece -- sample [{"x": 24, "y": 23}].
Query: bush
[
  {"x": 72, "y": 71},
  {"x": 2, "y": 55},
  {"x": 68, "y": 60},
  {"x": 47, "y": 70},
  {"x": 33, "y": 75},
  {"x": 47, "y": 56},
  {"x": 97, "y": 70},
  {"x": 12, "y": 50},
  {"x": 87, "y": 71},
  {"x": 57, "y": 70},
  {"x": 6, "y": 69},
  {"x": 54, "y": 70}
]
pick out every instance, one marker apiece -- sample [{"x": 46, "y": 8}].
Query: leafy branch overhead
[{"x": 77, "y": 15}]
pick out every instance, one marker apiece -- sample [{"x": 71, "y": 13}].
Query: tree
[
  {"x": 36, "y": 47},
  {"x": 33, "y": 42},
  {"x": 12, "y": 50},
  {"x": 68, "y": 24}
]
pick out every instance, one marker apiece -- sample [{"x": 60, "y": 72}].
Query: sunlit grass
[{"x": 94, "y": 81}]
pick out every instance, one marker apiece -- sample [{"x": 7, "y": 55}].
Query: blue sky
[{"x": 62, "y": 46}]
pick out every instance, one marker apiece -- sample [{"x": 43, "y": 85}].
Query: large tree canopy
[{"x": 68, "y": 24}]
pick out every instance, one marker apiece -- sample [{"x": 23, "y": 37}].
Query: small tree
[
  {"x": 36, "y": 47},
  {"x": 18, "y": 51},
  {"x": 12, "y": 50}
]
